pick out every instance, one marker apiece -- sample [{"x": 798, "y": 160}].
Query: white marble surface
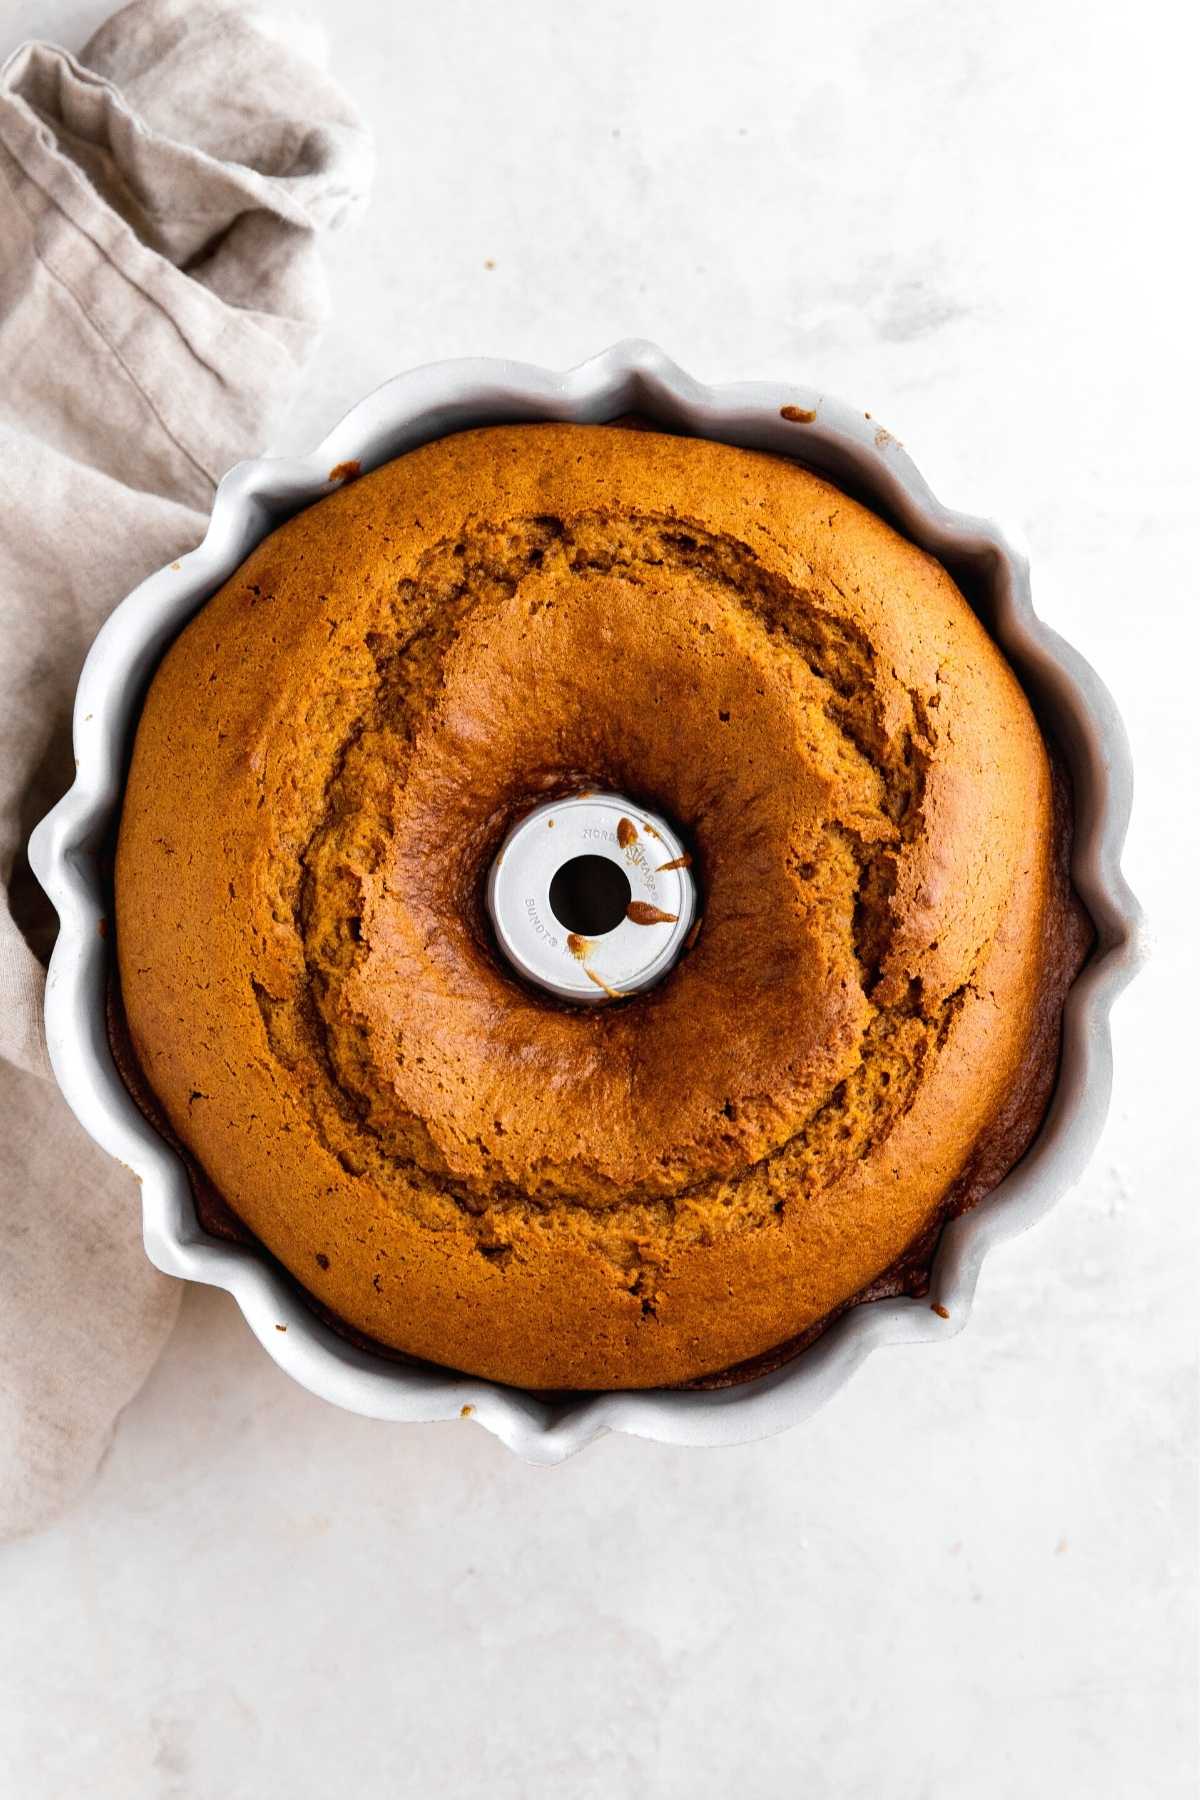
[{"x": 975, "y": 1573}]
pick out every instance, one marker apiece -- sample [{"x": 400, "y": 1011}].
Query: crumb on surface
[
  {"x": 941, "y": 1311},
  {"x": 345, "y": 471},
  {"x": 798, "y": 415}
]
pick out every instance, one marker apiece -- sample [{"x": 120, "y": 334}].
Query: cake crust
[{"x": 632, "y": 1195}]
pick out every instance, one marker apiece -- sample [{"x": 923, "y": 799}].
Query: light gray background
[{"x": 974, "y": 1574}]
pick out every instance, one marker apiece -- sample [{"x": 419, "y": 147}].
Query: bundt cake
[{"x": 685, "y": 1183}]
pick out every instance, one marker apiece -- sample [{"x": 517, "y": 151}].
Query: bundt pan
[{"x": 69, "y": 849}]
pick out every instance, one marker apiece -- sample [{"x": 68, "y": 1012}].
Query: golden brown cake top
[{"x": 328, "y": 759}]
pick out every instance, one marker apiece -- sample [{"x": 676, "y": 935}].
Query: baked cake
[{"x": 860, "y": 1038}]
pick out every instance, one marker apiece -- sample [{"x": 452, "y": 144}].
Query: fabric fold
[{"x": 162, "y": 203}]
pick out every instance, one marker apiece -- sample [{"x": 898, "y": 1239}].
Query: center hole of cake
[{"x": 589, "y": 895}]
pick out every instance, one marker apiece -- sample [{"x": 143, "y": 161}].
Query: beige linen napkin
[{"x": 160, "y": 204}]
